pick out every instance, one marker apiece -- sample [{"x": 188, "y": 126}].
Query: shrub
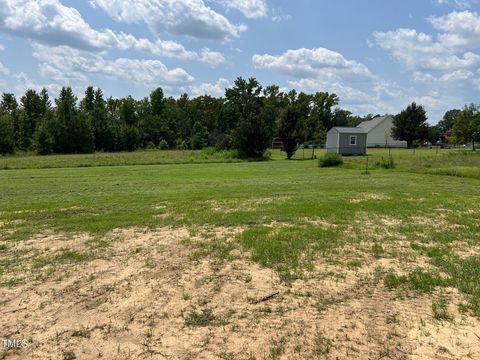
[
  {"x": 181, "y": 144},
  {"x": 150, "y": 146},
  {"x": 330, "y": 160},
  {"x": 163, "y": 145},
  {"x": 223, "y": 142}
]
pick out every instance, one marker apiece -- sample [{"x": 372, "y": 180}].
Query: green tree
[
  {"x": 410, "y": 125},
  {"x": 448, "y": 120},
  {"x": 45, "y": 103},
  {"x": 322, "y": 105},
  {"x": 32, "y": 112},
  {"x": 128, "y": 118},
  {"x": 466, "y": 128},
  {"x": 44, "y": 138},
  {"x": 102, "y": 127},
  {"x": 199, "y": 137},
  {"x": 434, "y": 134},
  {"x": 341, "y": 117},
  {"x": 157, "y": 118},
  {"x": 10, "y": 106},
  {"x": 274, "y": 101},
  {"x": 75, "y": 133},
  {"x": 7, "y": 135},
  {"x": 250, "y": 135},
  {"x": 290, "y": 125}
]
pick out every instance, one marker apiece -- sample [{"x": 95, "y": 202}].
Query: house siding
[
  {"x": 346, "y": 149},
  {"x": 340, "y": 143},
  {"x": 381, "y": 135},
  {"x": 332, "y": 141}
]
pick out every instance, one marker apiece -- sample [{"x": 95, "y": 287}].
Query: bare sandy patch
[
  {"x": 320, "y": 222},
  {"x": 375, "y": 227},
  {"x": 437, "y": 220},
  {"x": 363, "y": 197},
  {"x": 145, "y": 298},
  {"x": 232, "y": 206}
]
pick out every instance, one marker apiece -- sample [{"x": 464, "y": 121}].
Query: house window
[{"x": 353, "y": 140}]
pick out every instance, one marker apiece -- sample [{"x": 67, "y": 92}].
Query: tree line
[
  {"x": 456, "y": 127},
  {"x": 246, "y": 119}
]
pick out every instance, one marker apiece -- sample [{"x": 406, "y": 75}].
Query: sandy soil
[{"x": 138, "y": 301}]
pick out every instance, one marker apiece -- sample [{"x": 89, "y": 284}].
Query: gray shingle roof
[
  {"x": 371, "y": 124},
  {"x": 350, "y": 130}
]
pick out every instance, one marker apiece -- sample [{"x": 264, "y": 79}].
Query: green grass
[
  {"x": 65, "y": 256},
  {"x": 277, "y": 203},
  {"x": 440, "y": 309},
  {"x": 418, "y": 280},
  {"x": 204, "y": 318},
  {"x": 25, "y": 160},
  {"x": 448, "y": 162}
]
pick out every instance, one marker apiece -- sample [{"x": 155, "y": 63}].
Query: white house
[{"x": 379, "y": 132}]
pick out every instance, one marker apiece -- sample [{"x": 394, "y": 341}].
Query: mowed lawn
[{"x": 412, "y": 231}]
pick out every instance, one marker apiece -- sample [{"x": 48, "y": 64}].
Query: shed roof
[
  {"x": 349, "y": 130},
  {"x": 371, "y": 124}
]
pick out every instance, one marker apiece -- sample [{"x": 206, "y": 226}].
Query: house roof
[
  {"x": 349, "y": 130},
  {"x": 371, "y": 124}
]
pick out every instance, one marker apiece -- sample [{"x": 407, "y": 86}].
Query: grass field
[
  {"x": 179, "y": 260},
  {"x": 26, "y": 160}
]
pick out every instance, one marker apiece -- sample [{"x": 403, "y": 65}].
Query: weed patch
[
  {"x": 418, "y": 280},
  {"x": 204, "y": 318},
  {"x": 440, "y": 309}
]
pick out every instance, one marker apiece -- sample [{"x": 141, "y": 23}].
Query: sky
[{"x": 376, "y": 55}]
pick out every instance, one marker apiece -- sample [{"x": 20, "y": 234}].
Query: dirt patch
[
  {"x": 363, "y": 197},
  {"x": 320, "y": 222},
  {"x": 232, "y": 206},
  {"x": 146, "y": 298},
  {"x": 438, "y": 220}
]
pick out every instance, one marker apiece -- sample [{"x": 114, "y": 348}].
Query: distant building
[
  {"x": 379, "y": 132},
  {"x": 277, "y": 143},
  {"x": 446, "y": 137},
  {"x": 347, "y": 141}
]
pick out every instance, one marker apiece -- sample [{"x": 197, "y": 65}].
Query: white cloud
[
  {"x": 449, "y": 51},
  {"x": 313, "y": 70},
  {"x": 443, "y": 64},
  {"x": 251, "y": 9},
  {"x": 461, "y": 4},
  {"x": 69, "y": 66},
  {"x": 213, "y": 58},
  {"x": 380, "y": 98},
  {"x": 461, "y": 30},
  {"x": 279, "y": 16},
  {"x": 322, "y": 62},
  {"x": 217, "y": 89},
  {"x": 178, "y": 17},
  {"x": 4, "y": 70},
  {"x": 50, "y": 22}
]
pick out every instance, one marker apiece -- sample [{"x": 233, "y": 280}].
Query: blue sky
[{"x": 377, "y": 55}]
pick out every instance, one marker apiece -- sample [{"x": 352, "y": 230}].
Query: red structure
[{"x": 277, "y": 143}]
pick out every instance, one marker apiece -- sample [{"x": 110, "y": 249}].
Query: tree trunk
[{"x": 473, "y": 145}]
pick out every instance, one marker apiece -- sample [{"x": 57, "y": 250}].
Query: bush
[
  {"x": 330, "y": 160},
  {"x": 163, "y": 145},
  {"x": 181, "y": 145}
]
